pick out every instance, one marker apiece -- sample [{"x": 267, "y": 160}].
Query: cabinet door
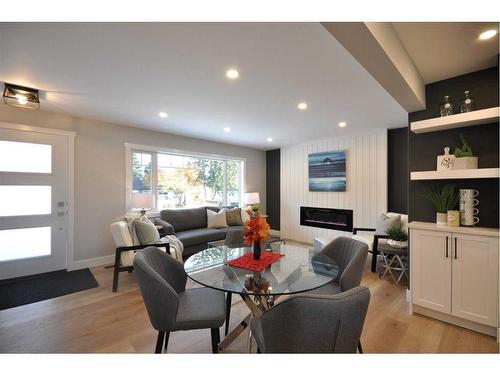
[
  {"x": 430, "y": 262},
  {"x": 475, "y": 278}
]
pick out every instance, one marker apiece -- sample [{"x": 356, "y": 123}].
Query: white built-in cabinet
[{"x": 454, "y": 271}]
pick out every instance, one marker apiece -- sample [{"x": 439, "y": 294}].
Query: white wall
[
  {"x": 366, "y": 191},
  {"x": 100, "y": 170}
]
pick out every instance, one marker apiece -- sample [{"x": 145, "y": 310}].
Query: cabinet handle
[
  {"x": 455, "y": 247},
  {"x": 446, "y": 246}
]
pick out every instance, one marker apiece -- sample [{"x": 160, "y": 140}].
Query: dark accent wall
[
  {"x": 483, "y": 139},
  {"x": 397, "y": 170},
  {"x": 273, "y": 178}
]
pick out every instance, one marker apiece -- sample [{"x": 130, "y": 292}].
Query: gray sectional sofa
[{"x": 189, "y": 225}]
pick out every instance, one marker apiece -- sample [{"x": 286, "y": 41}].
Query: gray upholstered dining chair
[
  {"x": 234, "y": 238},
  {"x": 350, "y": 255},
  {"x": 170, "y": 306},
  {"x": 311, "y": 323}
]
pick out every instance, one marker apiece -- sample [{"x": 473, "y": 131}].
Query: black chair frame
[
  {"x": 374, "y": 250},
  {"x": 119, "y": 250}
]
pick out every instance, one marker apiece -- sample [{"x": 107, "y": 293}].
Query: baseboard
[
  {"x": 93, "y": 262},
  {"x": 473, "y": 326}
]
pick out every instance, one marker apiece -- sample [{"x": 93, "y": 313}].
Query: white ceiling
[
  {"x": 442, "y": 50},
  {"x": 127, "y": 73}
]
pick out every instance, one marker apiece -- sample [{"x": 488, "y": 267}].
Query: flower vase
[{"x": 256, "y": 250}]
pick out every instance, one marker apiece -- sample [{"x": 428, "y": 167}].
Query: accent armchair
[
  {"x": 372, "y": 240},
  {"x": 126, "y": 250}
]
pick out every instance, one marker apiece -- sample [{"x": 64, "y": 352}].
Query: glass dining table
[{"x": 299, "y": 270}]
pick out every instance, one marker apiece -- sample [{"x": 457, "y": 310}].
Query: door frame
[{"x": 70, "y": 136}]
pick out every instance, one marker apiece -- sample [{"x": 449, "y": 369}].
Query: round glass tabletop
[{"x": 299, "y": 270}]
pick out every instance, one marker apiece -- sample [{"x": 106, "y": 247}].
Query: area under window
[{"x": 182, "y": 180}]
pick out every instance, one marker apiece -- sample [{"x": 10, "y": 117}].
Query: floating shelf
[
  {"x": 456, "y": 174},
  {"x": 479, "y": 117}
]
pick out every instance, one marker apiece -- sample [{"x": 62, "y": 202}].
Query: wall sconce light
[{"x": 19, "y": 96}]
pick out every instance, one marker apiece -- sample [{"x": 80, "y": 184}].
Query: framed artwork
[{"x": 327, "y": 171}]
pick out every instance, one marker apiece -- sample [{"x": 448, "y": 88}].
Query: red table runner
[{"x": 247, "y": 262}]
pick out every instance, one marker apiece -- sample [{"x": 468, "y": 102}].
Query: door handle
[
  {"x": 455, "y": 247},
  {"x": 446, "y": 247}
]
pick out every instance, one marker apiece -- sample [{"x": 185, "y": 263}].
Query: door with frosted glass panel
[{"x": 33, "y": 202}]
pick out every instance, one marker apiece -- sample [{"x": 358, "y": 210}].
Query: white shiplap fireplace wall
[{"x": 366, "y": 191}]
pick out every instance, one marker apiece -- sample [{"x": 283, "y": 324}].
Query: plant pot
[
  {"x": 256, "y": 250},
  {"x": 441, "y": 218},
  {"x": 397, "y": 244},
  {"x": 467, "y": 162}
]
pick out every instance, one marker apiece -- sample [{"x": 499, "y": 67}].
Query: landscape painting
[{"x": 327, "y": 171}]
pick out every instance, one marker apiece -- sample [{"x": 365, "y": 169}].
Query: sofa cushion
[
  {"x": 216, "y": 219},
  {"x": 185, "y": 218},
  {"x": 233, "y": 227},
  {"x": 146, "y": 232},
  {"x": 233, "y": 216},
  {"x": 200, "y": 236}
]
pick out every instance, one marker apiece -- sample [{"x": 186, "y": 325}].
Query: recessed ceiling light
[
  {"x": 232, "y": 74},
  {"x": 302, "y": 106},
  {"x": 488, "y": 34},
  {"x": 269, "y": 140},
  {"x": 342, "y": 124},
  {"x": 163, "y": 114},
  {"x": 227, "y": 129}
]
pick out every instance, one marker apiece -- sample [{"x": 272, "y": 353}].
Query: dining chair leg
[
  {"x": 215, "y": 340},
  {"x": 360, "y": 348},
  {"x": 167, "y": 335},
  {"x": 159, "y": 342},
  {"x": 228, "y": 312}
]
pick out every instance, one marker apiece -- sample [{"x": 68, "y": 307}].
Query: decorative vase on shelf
[
  {"x": 465, "y": 162},
  {"x": 446, "y": 108},
  {"x": 441, "y": 218},
  {"x": 256, "y": 250},
  {"x": 467, "y": 104},
  {"x": 445, "y": 162}
]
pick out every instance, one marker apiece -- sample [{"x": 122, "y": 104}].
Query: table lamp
[
  {"x": 142, "y": 202},
  {"x": 252, "y": 199}
]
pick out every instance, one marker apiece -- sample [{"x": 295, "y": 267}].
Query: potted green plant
[
  {"x": 464, "y": 159},
  {"x": 443, "y": 198},
  {"x": 397, "y": 236}
]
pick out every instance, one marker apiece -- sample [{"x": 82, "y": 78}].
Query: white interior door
[{"x": 33, "y": 202}]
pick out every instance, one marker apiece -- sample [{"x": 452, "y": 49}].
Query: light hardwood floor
[{"x": 99, "y": 321}]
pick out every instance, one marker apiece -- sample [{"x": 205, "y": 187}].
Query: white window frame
[{"x": 132, "y": 147}]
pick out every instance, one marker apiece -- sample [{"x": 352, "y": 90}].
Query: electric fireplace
[{"x": 329, "y": 218}]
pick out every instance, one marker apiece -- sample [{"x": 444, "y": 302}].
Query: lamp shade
[
  {"x": 142, "y": 200},
  {"x": 251, "y": 198}
]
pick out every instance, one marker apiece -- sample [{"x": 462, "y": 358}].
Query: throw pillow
[
  {"x": 385, "y": 222},
  {"x": 216, "y": 219},
  {"x": 244, "y": 216},
  {"x": 233, "y": 216},
  {"x": 146, "y": 232}
]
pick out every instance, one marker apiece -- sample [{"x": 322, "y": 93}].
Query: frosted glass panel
[
  {"x": 24, "y": 243},
  {"x": 25, "y": 200},
  {"x": 25, "y": 157}
]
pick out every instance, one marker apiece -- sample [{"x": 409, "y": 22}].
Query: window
[{"x": 178, "y": 180}]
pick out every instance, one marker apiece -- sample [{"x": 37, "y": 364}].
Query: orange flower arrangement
[{"x": 256, "y": 228}]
